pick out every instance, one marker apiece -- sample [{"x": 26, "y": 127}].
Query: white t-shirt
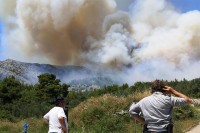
[{"x": 52, "y": 116}]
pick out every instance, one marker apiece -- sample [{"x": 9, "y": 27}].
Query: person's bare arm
[
  {"x": 139, "y": 119},
  {"x": 63, "y": 125},
  {"x": 170, "y": 90}
]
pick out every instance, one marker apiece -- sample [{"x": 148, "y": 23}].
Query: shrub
[
  {"x": 184, "y": 112},
  {"x": 91, "y": 115}
]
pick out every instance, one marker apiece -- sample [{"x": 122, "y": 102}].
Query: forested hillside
[{"x": 88, "y": 110}]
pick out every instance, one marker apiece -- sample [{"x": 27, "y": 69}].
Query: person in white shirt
[{"x": 56, "y": 118}]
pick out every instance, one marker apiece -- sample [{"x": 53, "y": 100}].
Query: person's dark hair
[
  {"x": 157, "y": 85},
  {"x": 58, "y": 100}
]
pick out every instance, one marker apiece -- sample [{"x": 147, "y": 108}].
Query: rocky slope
[{"x": 74, "y": 75}]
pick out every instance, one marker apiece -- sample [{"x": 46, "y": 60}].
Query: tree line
[
  {"x": 190, "y": 88},
  {"x": 19, "y": 100}
]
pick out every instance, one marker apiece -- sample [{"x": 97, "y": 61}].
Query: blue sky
[
  {"x": 181, "y": 5},
  {"x": 1, "y": 28},
  {"x": 1, "y": 24},
  {"x": 186, "y": 5}
]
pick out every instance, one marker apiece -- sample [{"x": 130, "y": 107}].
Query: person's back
[
  {"x": 157, "y": 108},
  {"x": 54, "y": 124},
  {"x": 56, "y": 118}
]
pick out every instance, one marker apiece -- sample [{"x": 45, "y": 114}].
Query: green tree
[
  {"x": 10, "y": 90},
  {"x": 49, "y": 87}
]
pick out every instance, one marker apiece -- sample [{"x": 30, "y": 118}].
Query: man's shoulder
[
  {"x": 160, "y": 94},
  {"x": 148, "y": 97},
  {"x": 155, "y": 96}
]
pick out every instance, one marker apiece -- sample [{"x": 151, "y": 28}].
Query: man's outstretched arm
[{"x": 170, "y": 90}]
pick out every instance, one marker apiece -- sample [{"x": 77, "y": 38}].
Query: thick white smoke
[
  {"x": 169, "y": 41},
  {"x": 115, "y": 49},
  {"x": 152, "y": 40},
  {"x": 7, "y": 8},
  {"x": 56, "y": 30}
]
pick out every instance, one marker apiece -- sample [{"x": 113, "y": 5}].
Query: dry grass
[
  {"x": 35, "y": 126},
  {"x": 106, "y": 101},
  {"x": 6, "y": 126},
  {"x": 137, "y": 96},
  {"x": 111, "y": 104},
  {"x": 183, "y": 126}
]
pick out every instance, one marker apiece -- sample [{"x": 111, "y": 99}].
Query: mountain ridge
[{"x": 74, "y": 75}]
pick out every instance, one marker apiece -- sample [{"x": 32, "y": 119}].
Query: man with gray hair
[{"x": 157, "y": 108}]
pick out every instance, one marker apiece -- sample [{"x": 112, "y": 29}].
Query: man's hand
[{"x": 168, "y": 90}]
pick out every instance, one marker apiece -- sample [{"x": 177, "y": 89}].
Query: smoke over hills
[{"x": 152, "y": 40}]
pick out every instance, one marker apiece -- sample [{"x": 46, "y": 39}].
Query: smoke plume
[{"x": 152, "y": 40}]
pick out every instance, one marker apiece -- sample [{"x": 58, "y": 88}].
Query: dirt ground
[{"x": 196, "y": 129}]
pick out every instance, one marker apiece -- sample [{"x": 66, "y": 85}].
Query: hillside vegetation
[
  {"x": 19, "y": 101},
  {"x": 102, "y": 110},
  {"x": 109, "y": 114}
]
